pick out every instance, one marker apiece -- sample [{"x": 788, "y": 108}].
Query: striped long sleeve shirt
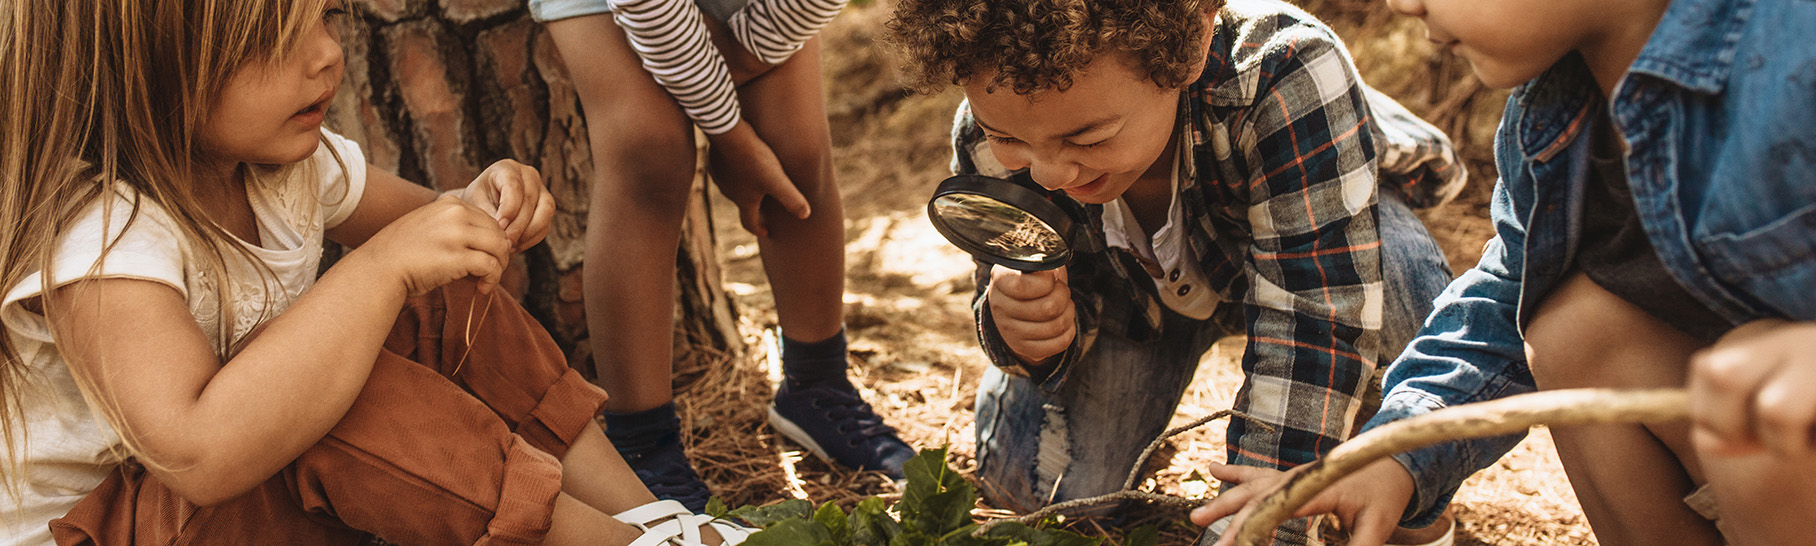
[{"x": 672, "y": 39}]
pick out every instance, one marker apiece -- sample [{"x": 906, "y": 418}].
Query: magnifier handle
[{"x": 1033, "y": 311}]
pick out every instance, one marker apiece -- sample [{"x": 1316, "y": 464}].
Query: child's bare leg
[
  {"x": 805, "y": 259},
  {"x": 1631, "y": 479},
  {"x": 593, "y": 472},
  {"x": 643, "y": 158},
  {"x": 577, "y": 523}
]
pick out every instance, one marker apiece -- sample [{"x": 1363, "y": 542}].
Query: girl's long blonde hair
[{"x": 104, "y": 92}]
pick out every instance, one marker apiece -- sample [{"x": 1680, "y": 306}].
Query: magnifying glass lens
[
  {"x": 1002, "y": 221},
  {"x": 1004, "y": 229}
]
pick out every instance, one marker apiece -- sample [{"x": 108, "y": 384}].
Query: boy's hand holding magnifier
[{"x": 1027, "y": 237}]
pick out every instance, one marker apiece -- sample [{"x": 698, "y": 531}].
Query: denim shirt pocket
[{"x": 1774, "y": 263}]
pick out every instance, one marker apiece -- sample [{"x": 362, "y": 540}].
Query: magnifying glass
[{"x": 1007, "y": 222}]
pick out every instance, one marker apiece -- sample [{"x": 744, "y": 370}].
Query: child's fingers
[
  {"x": 1037, "y": 341},
  {"x": 1236, "y": 521},
  {"x": 489, "y": 262},
  {"x": 1022, "y": 285},
  {"x": 1786, "y": 410},
  {"x": 541, "y": 221},
  {"x": 791, "y": 200},
  {"x": 510, "y": 203},
  {"x": 1368, "y": 527},
  {"x": 1722, "y": 383},
  {"x": 751, "y": 217},
  {"x": 1235, "y": 473},
  {"x": 1221, "y": 506},
  {"x": 1233, "y": 500}
]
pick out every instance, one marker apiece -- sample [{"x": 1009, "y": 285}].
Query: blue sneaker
[
  {"x": 829, "y": 419},
  {"x": 662, "y": 467}
]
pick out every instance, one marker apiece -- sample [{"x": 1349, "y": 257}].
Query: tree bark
[{"x": 436, "y": 90}]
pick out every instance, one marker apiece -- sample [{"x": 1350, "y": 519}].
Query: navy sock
[
  {"x": 814, "y": 362},
  {"x": 643, "y": 430}
]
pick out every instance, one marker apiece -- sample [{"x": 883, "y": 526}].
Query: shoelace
[{"x": 848, "y": 411}]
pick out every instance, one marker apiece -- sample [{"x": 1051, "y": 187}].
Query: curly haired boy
[{"x": 1237, "y": 178}]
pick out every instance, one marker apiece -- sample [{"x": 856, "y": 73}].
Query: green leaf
[
  {"x": 1040, "y": 537},
  {"x": 716, "y": 508},
  {"x": 764, "y": 516},
  {"x": 792, "y": 532},
  {"x": 943, "y": 512},
  {"x": 871, "y": 525},
  {"x": 833, "y": 518},
  {"x": 911, "y": 537},
  {"x": 962, "y": 537},
  {"x": 928, "y": 475},
  {"x": 1146, "y": 535}
]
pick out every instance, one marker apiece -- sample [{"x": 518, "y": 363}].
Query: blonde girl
[{"x": 172, "y": 371}]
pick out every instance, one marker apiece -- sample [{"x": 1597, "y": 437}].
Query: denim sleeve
[{"x": 1470, "y": 350}]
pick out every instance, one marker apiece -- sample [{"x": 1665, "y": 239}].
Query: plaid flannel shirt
[{"x": 1278, "y": 181}]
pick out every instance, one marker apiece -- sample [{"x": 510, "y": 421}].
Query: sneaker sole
[{"x": 796, "y": 434}]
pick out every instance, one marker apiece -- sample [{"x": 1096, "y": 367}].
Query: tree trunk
[{"x": 436, "y": 90}]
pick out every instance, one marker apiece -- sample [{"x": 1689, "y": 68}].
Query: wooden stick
[{"x": 1492, "y": 418}]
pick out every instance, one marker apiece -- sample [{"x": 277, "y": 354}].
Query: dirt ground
[{"x": 908, "y": 292}]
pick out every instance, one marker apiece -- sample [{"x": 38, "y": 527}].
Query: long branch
[{"x": 1492, "y": 418}]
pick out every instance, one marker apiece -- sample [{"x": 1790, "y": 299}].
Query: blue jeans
[{"x": 1036, "y": 449}]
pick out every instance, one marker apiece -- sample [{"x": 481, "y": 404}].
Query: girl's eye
[{"x": 333, "y": 11}]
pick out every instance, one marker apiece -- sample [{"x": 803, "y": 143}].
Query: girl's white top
[{"x": 70, "y": 448}]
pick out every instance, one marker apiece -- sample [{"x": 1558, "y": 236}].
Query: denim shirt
[{"x": 1719, "y": 111}]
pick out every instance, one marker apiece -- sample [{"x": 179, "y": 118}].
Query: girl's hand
[
  {"x": 747, "y": 171},
  {"x": 1033, "y": 312},
  {"x": 513, "y": 194},
  {"x": 438, "y": 243},
  {"x": 1755, "y": 390},
  {"x": 1368, "y": 503}
]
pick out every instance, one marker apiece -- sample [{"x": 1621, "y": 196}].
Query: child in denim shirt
[{"x": 1656, "y": 224}]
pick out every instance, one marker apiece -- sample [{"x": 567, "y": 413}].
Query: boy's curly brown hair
[{"x": 1039, "y": 44}]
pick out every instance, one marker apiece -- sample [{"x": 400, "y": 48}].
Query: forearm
[
  {"x": 672, "y": 40},
  {"x": 1469, "y": 351},
  {"x": 288, "y": 386},
  {"x": 774, "y": 30}
]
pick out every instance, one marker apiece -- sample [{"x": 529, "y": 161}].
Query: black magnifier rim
[{"x": 1014, "y": 195}]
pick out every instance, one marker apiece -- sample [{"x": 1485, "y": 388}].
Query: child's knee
[
  {"x": 644, "y": 149},
  {"x": 1584, "y": 336}
]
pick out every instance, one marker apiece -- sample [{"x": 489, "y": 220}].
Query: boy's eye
[
  {"x": 1093, "y": 144},
  {"x": 1000, "y": 139}
]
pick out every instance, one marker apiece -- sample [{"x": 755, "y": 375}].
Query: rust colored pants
[{"x": 434, "y": 451}]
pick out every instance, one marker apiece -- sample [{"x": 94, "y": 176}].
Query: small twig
[
  {"x": 1141, "y": 462},
  {"x": 1493, "y": 418},
  {"x": 1128, "y": 491},
  {"x": 1059, "y": 507}
]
